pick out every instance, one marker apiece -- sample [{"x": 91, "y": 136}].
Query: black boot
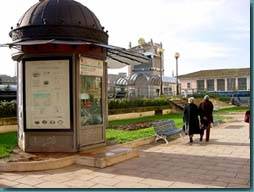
[
  {"x": 191, "y": 140},
  {"x": 201, "y": 138}
]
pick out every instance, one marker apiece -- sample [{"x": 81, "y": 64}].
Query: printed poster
[
  {"x": 91, "y": 67},
  {"x": 47, "y": 94}
]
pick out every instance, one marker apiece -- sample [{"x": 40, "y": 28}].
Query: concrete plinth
[{"x": 105, "y": 157}]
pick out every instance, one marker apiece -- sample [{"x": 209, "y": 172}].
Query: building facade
[
  {"x": 218, "y": 80},
  {"x": 144, "y": 80},
  {"x": 152, "y": 50}
]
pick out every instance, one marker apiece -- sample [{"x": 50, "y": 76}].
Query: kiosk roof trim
[{"x": 117, "y": 57}]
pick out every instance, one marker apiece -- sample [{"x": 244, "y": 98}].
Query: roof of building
[
  {"x": 169, "y": 79},
  {"x": 68, "y": 12},
  {"x": 145, "y": 45},
  {"x": 217, "y": 73},
  {"x": 131, "y": 80},
  {"x": 121, "y": 81},
  {"x": 54, "y": 19}
]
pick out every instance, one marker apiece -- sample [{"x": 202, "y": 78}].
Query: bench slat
[{"x": 165, "y": 128}]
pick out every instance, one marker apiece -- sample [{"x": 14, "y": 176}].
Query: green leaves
[
  {"x": 8, "y": 108},
  {"x": 120, "y": 104}
]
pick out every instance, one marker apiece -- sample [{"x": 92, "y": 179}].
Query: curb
[
  {"x": 62, "y": 162},
  {"x": 38, "y": 165},
  {"x": 8, "y": 128},
  {"x": 139, "y": 142}
]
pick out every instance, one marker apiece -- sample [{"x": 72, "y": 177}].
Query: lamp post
[
  {"x": 177, "y": 55},
  {"x": 160, "y": 52}
]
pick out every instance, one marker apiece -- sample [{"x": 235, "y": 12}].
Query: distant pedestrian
[
  {"x": 190, "y": 119},
  {"x": 206, "y": 116},
  {"x": 247, "y": 119}
]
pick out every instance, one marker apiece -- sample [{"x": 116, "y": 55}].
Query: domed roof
[{"x": 59, "y": 19}]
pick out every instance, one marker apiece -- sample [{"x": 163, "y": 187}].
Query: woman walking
[
  {"x": 206, "y": 115},
  {"x": 190, "y": 119}
]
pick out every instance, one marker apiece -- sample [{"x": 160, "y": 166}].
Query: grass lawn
[
  {"x": 177, "y": 117},
  {"x": 234, "y": 109},
  {"x": 7, "y": 143},
  {"x": 120, "y": 136}
]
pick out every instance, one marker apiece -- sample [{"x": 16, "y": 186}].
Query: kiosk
[
  {"x": 61, "y": 77},
  {"x": 62, "y": 56}
]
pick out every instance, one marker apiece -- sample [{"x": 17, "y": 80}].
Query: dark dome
[{"x": 59, "y": 19}]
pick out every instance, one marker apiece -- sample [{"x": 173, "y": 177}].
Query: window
[
  {"x": 200, "y": 85},
  {"x": 91, "y": 102},
  {"x": 210, "y": 85},
  {"x": 91, "y": 73},
  {"x": 231, "y": 84},
  {"x": 220, "y": 84},
  {"x": 168, "y": 90},
  {"x": 242, "y": 84},
  {"x": 188, "y": 85}
]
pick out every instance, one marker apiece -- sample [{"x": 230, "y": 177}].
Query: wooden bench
[{"x": 164, "y": 129}]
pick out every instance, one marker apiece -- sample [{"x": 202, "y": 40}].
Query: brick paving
[{"x": 224, "y": 162}]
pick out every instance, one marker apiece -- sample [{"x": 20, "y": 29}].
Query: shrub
[
  {"x": 120, "y": 104},
  {"x": 212, "y": 95},
  {"x": 8, "y": 108},
  {"x": 224, "y": 98}
]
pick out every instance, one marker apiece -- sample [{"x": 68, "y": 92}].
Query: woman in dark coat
[
  {"x": 206, "y": 115},
  {"x": 190, "y": 119}
]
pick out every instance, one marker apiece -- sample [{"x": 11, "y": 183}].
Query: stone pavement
[{"x": 224, "y": 162}]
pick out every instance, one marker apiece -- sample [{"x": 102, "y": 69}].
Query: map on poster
[
  {"x": 47, "y": 94},
  {"x": 91, "y": 67}
]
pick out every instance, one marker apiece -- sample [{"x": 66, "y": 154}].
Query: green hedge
[
  {"x": 212, "y": 95},
  {"x": 137, "y": 109},
  {"x": 123, "y": 104},
  {"x": 8, "y": 108}
]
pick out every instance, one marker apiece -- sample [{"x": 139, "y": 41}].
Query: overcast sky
[{"x": 209, "y": 34}]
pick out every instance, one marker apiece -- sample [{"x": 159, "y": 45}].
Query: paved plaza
[{"x": 223, "y": 162}]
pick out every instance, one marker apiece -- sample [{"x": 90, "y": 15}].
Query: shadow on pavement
[{"x": 195, "y": 169}]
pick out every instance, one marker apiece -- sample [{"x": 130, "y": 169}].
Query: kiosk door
[{"x": 92, "y": 104}]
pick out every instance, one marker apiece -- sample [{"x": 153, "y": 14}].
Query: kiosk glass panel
[
  {"x": 91, "y": 105},
  {"x": 91, "y": 73}
]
